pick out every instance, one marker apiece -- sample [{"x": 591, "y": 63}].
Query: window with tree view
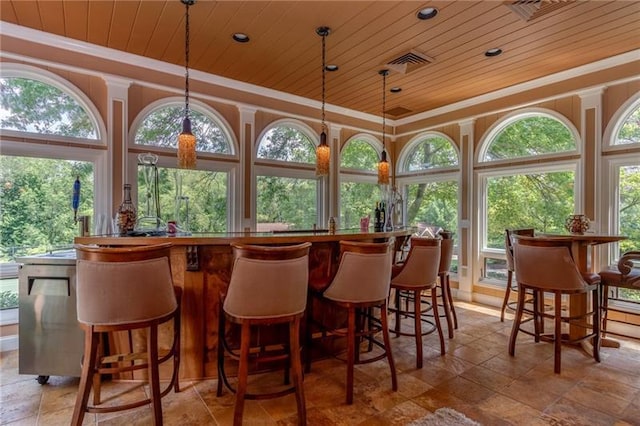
[
  {"x": 359, "y": 190},
  {"x": 36, "y": 193},
  {"x": 287, "y": 191},
  {"x": 627, "y": 170},
  {"x": 539, "y": 197},
  {"x": 196, "y": 199},
  {"x": 432, "y": 198}
]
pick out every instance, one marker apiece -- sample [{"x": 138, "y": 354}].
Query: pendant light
[
  {"x": 186, "y": 139},
  {"x": 323, "y": 152},
  {"x": 383, "y": 165}
]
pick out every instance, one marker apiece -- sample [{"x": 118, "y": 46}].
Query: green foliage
[
  {"x": 285, "y": 143},
  {"x": 359, "y": 154},
  {"x": 629, "y": 207},
  {"x": 36, "y": 107},
  {"x": 36, "y": 203},
  {"x": 162, "y": 126},
  {"x": 433, "y": 204},
  {"x": 357, "y": 200},
  {"x": 541, "y": 201},
  {"x": 287, "y": 201},
  {"x": 8, "y": 299},
  {"x": 531, "y": 136},
  {"x": 432, "y": 152}
]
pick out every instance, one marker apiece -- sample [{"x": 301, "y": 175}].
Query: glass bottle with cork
[{"x": 126, "y": 215}]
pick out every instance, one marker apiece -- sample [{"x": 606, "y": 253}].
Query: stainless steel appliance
[{"x": 50, "y": 339}]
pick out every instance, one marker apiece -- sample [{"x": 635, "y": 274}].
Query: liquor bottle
[
  {"x": 383, "y": 218},
  {"x": 376, "y": 223},
  {"x": 126, "y": 216}
]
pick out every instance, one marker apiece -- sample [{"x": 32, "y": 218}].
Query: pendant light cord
[
  {"x": 384, "y": 105},
  {"x": 186, "y": 60},
  {"x": 324, "y": 37}
]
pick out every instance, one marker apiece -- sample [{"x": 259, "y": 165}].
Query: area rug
[{"x": 444, "y": 417}]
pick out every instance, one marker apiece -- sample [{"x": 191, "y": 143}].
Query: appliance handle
[{"x": 31, "y": 280}]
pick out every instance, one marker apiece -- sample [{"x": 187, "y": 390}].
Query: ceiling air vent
[
  {"x": 397, "y": 111},
  {"x": 409, "y": 62},
  {"x": 528, "y": 10}
]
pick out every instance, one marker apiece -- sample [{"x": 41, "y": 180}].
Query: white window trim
[{"x": 375, "y": 143}]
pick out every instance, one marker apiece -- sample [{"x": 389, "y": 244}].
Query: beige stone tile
[
  {"x": 487, "y": 378},
  {"x": 399, "y": 415},
  {"x": 571, "y": 413},
  {"x": 509, "y": 409}
]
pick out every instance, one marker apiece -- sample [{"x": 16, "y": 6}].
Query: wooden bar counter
[{"x": 201, "y": 265}]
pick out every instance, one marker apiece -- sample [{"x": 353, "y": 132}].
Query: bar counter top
[{"x": 226, "y": 238}]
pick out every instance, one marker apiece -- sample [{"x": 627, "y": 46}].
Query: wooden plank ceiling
[{"x": 284, "y": 51}]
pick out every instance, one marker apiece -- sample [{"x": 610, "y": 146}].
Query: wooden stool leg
[
  {"x": 507, "y": 293},
  {"x": 243, "y": 373},
  {"x": 451, "y": 305},
  {"x": 90, "y": 357},
  {"x": 220, "y": 351},
  {"x": 596, "y": 296},
  {"x": 436, "y": 318},
  {"x": 387, "y": 345},
  {"x": 296, "y": 364},
  {"x": 445, "y": 304},
  {"x": 557, "y": 342},
  {"x": 605, "y": 308},
  {"x": 154, "y": 374},
  {"x": 417, "y": 308},
  {"x": 516, "y": 322},
  {"x": 397, "y": 304},
  {"x": 351, "y": 342}
]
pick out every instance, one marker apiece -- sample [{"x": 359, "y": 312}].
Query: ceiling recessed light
[
  {"x": 395, "y": 89},
  {"x": 493, "y": 52},
  {"x": 331, "y": 67},
  {"x": 427, "y": 13},
  {"x": 241, "y": 37}
]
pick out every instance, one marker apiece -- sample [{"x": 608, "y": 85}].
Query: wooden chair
[
  {"x": 548, "y": 267},
  {"x": 511, "y": 284},
  {"x": 125, "y": 289},
  {"x": 417, "y": 274},
  {"x": 622, "y": 275},
  {"x": 361, "y": 284},
  {"x": 268, "y": 286}
]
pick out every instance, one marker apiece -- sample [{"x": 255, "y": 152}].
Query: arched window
[
  {"x": 198, "y": 200},
  {"x": 286, "y": 142},
  {"x": 359, "y": 190},
  {"x": 432, "y": 151},
  {"x": 529, "y": 180},
  {"x": 160, "y": 127},
  {"x": 33, "y": 106},
  {"x": 359, "y": 154},
  {"x": 628, "y": 131},
  {"x": 529, "y": 135},
  {"x": 429, "y": 174},
  {"x": 287, "y": 190}
]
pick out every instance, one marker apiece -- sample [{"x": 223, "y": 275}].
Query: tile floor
[{"x": 476, "y": 377}]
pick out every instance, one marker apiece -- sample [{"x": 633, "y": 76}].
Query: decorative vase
[{"x": 577, "y": 223}]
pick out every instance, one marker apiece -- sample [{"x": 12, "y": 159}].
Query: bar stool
[
  {"x": 446, "y": 255},
  {"x": 548, "y": 267},
  {"x": 125, "y": 289},
  {"x": 417, "y": 274},
  {"x": 268, "y": 286},
  {"x": 621, "y": 275},
  {"x": 360, "y": 284},
  {"x": 511, "y": 284}
]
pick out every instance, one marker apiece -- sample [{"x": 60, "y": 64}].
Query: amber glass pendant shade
[
  {"x": 323, "y": 154},
  {"x": 383, "y": 170},
  {"x": 186, "y": 147}
]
